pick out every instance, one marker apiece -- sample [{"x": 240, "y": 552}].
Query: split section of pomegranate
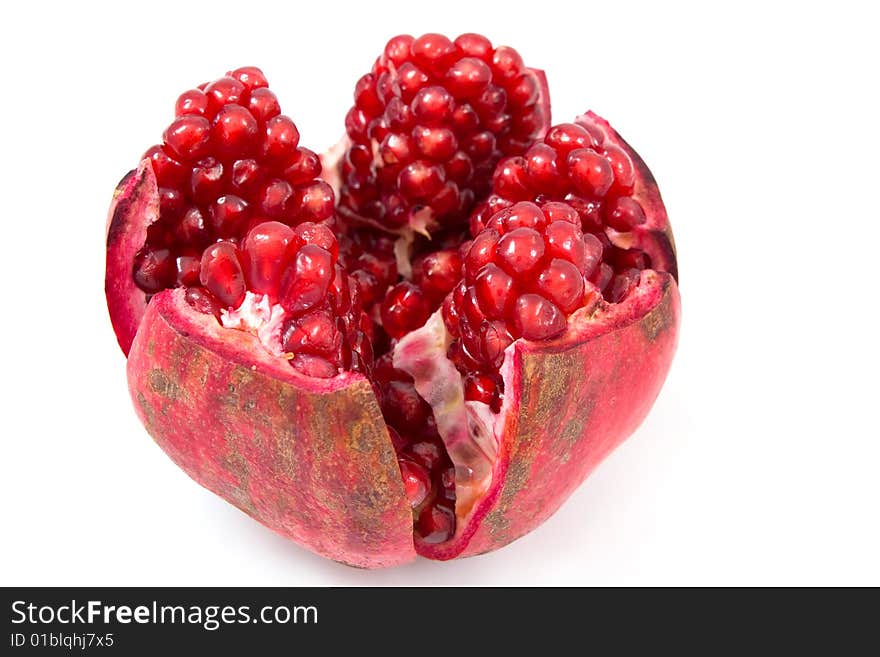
[
  {"x": 368, "y": 391},
  {"x": 430, "y": 122}
]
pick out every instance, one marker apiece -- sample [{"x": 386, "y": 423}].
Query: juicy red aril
[
  {"x": 416, "y": 482},
  {"x": 228, "y": 215},
  {"x": 226, "y": 90},
  {"x": 519, "y": 251},
  {"x": 482, "y": 388},
  {"x": 280, "y": 139},
  {"x": 169, "y": 172},
  {"x": 437, "y": 273},
  {"x": 305, "y": 283},
  {"x": 203, "y": 301},
  {"x": 187, "y": 268},
  {"x": 624, "y": 214},
  {"x": 562, "y": 283},
  {"x": 250, "y": 76},
  {"x": 266, "y": 255},
  {"x": 590, "y": 173},
  {"x": 235, "y": 131},
  {"x": 313, "y": 333},
  {"x": 263, "y": 105},
  {"x": 436, "y": 523},
  {"x": 536, "y": 318},
  {"x": 495, "y": 291},
  {"x": 313, "y": 201},
  {"x": 193, "y": 101},
  {"x": 153, "y": 270},
  {"x": 188, "y": 137},
  {"x": 223, "y": 275},
  {"x": 404, "y": 309}
]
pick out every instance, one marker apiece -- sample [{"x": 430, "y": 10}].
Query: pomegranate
[{"x": 376, "y": 389}]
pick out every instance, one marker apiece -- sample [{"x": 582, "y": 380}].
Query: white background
[{"x": 759, "y": 462}]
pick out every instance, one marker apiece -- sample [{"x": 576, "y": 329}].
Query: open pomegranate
[{"x": 397, "y": 374}]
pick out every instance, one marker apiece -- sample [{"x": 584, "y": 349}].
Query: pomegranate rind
[
  {"x": 135, "y": 205},
  {"x": 568, "y": 404},
  {"x": 309, "y": 458}
]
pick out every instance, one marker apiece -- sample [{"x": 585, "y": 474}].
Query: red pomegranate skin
[
  {"x": 309, "y": 458},
  {"x": 135, "y": 205}
]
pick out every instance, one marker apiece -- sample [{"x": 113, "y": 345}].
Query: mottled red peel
[{"x": 309, "y": 458}]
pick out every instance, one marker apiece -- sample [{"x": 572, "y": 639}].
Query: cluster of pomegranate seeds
[
  {"x": 229, "y": 160},
  {"x": 428, "y": 473},
  {"x": 429, "y": 124},
  {"x": 576, "y": 166},
  {"x": 324, "y": 330},
  {"x": 523, "y": 275}
]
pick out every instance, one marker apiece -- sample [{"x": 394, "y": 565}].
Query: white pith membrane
[{"x": 260, "y": 317}]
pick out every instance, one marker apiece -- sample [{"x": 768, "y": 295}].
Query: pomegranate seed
[
  {"x": 206, "y": 181},
  {"x": 250, "y": 76},
  {"x": 520, "y": 251},
  {"x": 193, "y": 101},
  {"x": 436, "y": 523},
  {"x": 624, "y": 172},
  {"x": 624, "y": 214},
  {"x": 437, "y": 273},
  {"x": 480, "y": 387},
  {"x": 536, "y": 318},
  {"x": 192, "y": 231},
  {"x": 235, "y": 131},
  {"x": 475, "y": 45},
  {"x": 416, "y": 481},
  {"x": 314, "y": 366},
  {"x": 319, "y": 235},
  {"x": 302, "y": 167},
  {"x": 398, "y": 49},
  {"x": 562, "y": 283},
  {"x": 203, "y": 301},
  {"x": 434, "y": 143},
  {"x": 275, "y": 199},
  {"x": 169, "y": 172},
  {"x": 266, "y": 255},
  {"x": 313, "y": 202},
  {"x": 468, "y": 77},
  {"x": 187, "y": 270},
  {"x": 420, "y": 180},
  {"x": 280, "y": 139},
  {"x": 228, "y": 215},
  {"x": 153, "y": 270},
  {"x": 188, "y": 137},
  {"x": 495, "y": 291},
  {"x": 565, "y": 240},
  {"x": 306, "y": 280},
  {"x": 589, "y": 173},
  {"x": 404, "y": 309},
  {"x": 222, "y": 92},
  {"x": 263, "y": 105},
  {"x": 313, "y": 333},
  {"x": 511, "y": 179},
  {"x": 222, "y": 274},
  {"x": 481, "y": 252},
  {"x": 247, "y": 177},
  {"x": 567, "y": 137},
  {"x": 623, "y": 285}
]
